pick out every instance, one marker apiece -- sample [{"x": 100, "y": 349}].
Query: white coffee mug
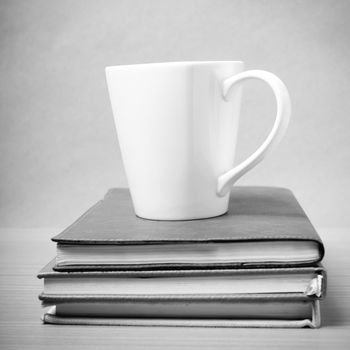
[{"x": 177, "y": 126}]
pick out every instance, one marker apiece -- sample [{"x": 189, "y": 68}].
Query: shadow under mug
[{"x": 177, "y": 127}]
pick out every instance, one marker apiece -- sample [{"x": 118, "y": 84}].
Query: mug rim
[{"x": 172, "y": 63}]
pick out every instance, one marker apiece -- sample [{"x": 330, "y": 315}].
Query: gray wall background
[{"x": 59, "y": 151}]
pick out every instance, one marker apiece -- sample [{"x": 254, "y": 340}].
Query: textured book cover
[{"x": 256, "y": 214}]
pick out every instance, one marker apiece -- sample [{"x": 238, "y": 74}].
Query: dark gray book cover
[{"x": 256, "y": 214}]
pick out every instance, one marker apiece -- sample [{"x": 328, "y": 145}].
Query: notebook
[
  {"x": 305, "y": 282},
  {"x": 264, "y": 226},
  {"x": 296, "y": 315}
]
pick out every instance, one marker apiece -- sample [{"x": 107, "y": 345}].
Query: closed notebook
[
  {"x": 295, "y": 315},
  {"x": 264, "y": 226},
  {"x": 302, "y": 282}
]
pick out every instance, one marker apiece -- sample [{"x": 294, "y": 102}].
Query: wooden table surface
[{"x": 24, "y": 252}]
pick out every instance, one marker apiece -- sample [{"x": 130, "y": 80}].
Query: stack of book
[{"x": 256, "y": 266}]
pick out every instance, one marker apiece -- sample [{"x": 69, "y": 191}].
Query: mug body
[{"x": 177, "y": 135}]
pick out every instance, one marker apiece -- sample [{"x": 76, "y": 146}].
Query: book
[
  {"x": 264, "y": 226},
  {"x": 305, "y": 282},
  {"x": 295, "y": 315}
]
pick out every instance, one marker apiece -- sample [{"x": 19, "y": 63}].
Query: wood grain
[{"x": 24, "y": 252}]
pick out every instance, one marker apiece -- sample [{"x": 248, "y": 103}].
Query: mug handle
[{"x": 226, "y": 180}]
